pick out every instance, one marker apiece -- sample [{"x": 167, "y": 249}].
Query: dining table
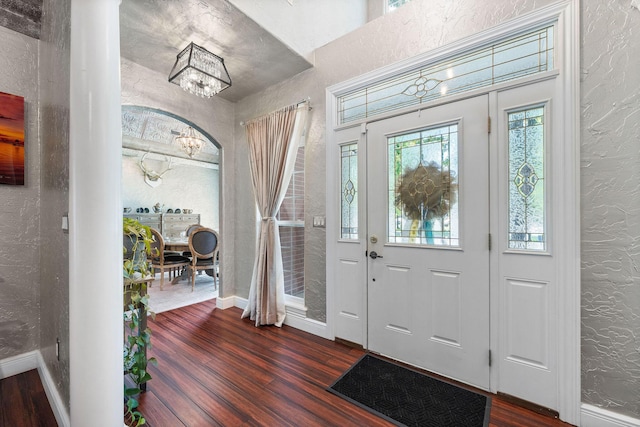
[{"x": 177, "y": 244}]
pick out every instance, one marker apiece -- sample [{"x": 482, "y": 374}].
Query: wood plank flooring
[
  {"x": 23, "y": 402},
  {"x": 215, "y": 369}
]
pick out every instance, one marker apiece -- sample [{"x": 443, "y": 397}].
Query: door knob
[{"x": 374, "y": 255}]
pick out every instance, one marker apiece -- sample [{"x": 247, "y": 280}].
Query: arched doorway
[{"x": 166, "y": 188}]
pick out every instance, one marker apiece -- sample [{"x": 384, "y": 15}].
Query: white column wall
[{"x": 95, "y": 242}]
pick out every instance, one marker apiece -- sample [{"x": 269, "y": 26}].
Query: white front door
[{"x": 428, "y": 239}]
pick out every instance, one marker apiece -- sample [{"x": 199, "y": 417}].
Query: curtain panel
[{"x": 273, "y": 144}]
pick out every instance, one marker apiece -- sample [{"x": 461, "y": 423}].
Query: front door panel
[{"x": 428, "y": 211}]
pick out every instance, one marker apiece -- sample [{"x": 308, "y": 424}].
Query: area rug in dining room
[
  {"x": 407, "y": 397},
  {"x": 180, "y": 295}
]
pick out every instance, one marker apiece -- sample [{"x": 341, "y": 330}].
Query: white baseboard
[
  {"x": 241, "y": 302},
  {"x": 57, "y": 405},
  {"x": 297, "y": 318},
  {"x": 305, "y": 324},
  {"x": 593, "y": 416},
  {"x": 294, "y": 317},
  {"x": 33, "y": 360},
  {"x": 224, "y": 303},
  {"x": 18, "y": 364}
]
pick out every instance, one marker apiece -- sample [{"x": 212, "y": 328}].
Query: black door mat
[{"x": 409, "y": 398}]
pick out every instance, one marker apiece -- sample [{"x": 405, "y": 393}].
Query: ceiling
[
  {"x": 151, "y": 130},
  {"x": 153, "y": 32}
]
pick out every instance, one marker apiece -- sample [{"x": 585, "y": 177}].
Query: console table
[{"x": 168, "y": 224}]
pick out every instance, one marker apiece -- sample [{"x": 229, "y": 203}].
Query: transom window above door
[{"x": 497, "y": 62}]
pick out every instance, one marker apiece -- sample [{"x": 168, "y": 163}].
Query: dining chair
[
  {"x": 203, "y": 245},
  {"x": 190, "y": 229},
  {"x": 169, "y": 262}
]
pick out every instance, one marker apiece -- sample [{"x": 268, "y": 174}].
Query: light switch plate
[{"x": 318, "y": 221}]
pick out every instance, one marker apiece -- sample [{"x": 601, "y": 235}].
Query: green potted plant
[{"x": 137, "y": 273}]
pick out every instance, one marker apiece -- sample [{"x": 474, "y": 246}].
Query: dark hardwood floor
[
  {"x": 23, "y": 402},
  {"x": 215, "y": 369}
]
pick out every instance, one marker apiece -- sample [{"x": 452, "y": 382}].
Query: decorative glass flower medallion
[
  {"x": 526, "y": 180},
  {"x": 421, "y": 87},
  {"x": 349, "y": 191}
]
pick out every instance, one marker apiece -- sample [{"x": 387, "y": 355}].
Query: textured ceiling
[
  {"x": 147, "y": 129},
  {"x": 153, "y": 32}
]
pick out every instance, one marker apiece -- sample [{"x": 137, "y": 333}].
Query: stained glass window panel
[
  {"x": 501, "y": 61},
  {"x": 422, "y": 187},
  {"x": 527, "y": 180},
  {"x": 349, "y": 191}
]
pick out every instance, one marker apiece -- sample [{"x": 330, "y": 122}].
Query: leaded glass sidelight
[
  {"x": 349, "y": 191},
  {"x": 526, "y": 180},
  {"x": 422, "y": 201}
]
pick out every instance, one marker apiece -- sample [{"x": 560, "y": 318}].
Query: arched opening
[{"x": 165, "y": 188}]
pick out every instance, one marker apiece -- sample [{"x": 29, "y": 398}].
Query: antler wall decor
[{"x": 151, "y": 177}]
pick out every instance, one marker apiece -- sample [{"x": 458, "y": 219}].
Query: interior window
[{"x": 291, "y": 223}]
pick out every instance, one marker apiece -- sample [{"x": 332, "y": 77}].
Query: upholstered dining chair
[
  {"x": 190, "y": 229},
  {"x": 170, "y": 262},
  {"x": 203, "y": 245}
]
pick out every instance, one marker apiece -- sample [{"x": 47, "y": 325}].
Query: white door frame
[{"x": 566, "y": 13}]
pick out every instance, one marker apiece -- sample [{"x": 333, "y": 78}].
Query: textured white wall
[
  {"x": 375, "y": 9},
  {"x": 54, "y": 200},
  {"x": 184, "y": 186},
  {"x": 306, "y": 24},
  {"x": 20, "y": 207},
  {"x": 611, "y": 205}
]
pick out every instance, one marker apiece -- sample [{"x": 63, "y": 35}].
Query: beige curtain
[{"x": 273, "y": 143}]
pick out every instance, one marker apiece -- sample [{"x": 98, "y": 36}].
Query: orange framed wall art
[{"x": 11, "y": 139}]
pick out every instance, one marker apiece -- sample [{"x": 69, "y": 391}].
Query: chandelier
[
  {"x": 200, "y": 72},
  {"x": 189, "y": 141}
]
